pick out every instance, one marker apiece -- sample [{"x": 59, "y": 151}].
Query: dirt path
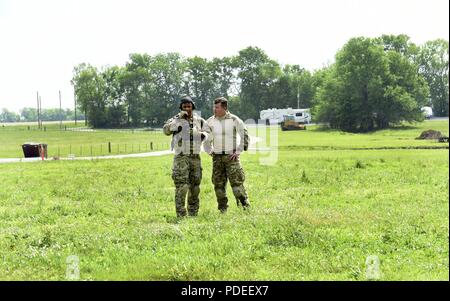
[
  {"x": 253, "y": 140},
  {"x": 140, "y": 155}
]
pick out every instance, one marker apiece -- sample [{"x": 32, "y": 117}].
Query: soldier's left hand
[{"x": 234, "y": 155}]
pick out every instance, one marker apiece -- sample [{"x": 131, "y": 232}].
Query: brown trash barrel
[{"x": 32, "y": 150}]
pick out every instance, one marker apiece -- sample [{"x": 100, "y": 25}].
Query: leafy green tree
[
  {"x": 405, "y": 92},
  {"x": 257, "y": 73},
  {"x": 373, "y": 83},
  {"x": 29, "y": 114},
  {"x": 433, "y": 62},
  {"x": 199, "y": 82},
  {"x": 167, "y": 73},
  {"x": 224, "y": 76},
  {"x": 370, "y": 87},
  {"x": 115, "y": 101},
  {"x": 8, "y": 116},
  {"x": 90, "y": 92},
  {"x": 135, "y": 82},
  {"x": 293, "y": 87},
  {"x": 399, "y": 43}
]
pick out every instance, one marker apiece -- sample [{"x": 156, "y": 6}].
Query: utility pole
[
  {"x": 40, "y": 112},
  {"x": 60, "y": 111},
  {"x": 38, "y": 115},
  {"x": 75, "y": 105},
  {"x": 298, "y": 96}
]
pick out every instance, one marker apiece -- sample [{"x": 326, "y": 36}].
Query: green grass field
[
  {"x": 402, "y": 136},
  {"x": 332, "y": 200},
  {"x": 61, "y": 143}
]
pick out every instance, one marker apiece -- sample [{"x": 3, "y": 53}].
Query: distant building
[
  {"x": 427, "y": 112},
  {"x": 275, "y": 116}
]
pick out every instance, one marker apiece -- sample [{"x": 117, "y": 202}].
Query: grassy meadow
[
  {"x": 331, "y": 200},
  {"x": 80, "y": 141}
]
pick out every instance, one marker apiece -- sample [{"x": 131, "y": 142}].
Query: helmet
[{"x": 186, "y": 99}]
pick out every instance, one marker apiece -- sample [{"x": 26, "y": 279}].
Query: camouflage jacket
[{"x": 187, "y": 135}]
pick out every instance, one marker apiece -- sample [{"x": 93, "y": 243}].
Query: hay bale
[{"x": 430, "y": 134}]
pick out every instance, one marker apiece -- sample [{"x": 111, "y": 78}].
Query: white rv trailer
[
  {"x": 427, "y": 112},
  {"x": 275, "y": 116}
]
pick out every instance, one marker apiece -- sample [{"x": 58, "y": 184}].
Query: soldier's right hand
[{"x": 182, "y": 114}]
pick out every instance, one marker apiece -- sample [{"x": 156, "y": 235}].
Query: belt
[
  {"x": 223, "y": 153},
  {"x": 189, "y": 155}
]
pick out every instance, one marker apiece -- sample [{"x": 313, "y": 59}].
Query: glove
[{"x": 182, "y": 114}]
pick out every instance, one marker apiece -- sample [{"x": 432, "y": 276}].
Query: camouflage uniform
[
  {"x": 221, "y": 143},
  {"x": 187, "y": 170}
]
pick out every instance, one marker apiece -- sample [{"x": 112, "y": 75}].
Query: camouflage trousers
[
  {"x": 187, "y": 175},
  {"x": 225, "y": 169}
]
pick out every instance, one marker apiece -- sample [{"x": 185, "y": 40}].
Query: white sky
[{"x": 42, "y": 40}]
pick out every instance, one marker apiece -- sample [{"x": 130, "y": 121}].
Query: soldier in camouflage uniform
[
  {"x": 223, "y": 147},
  {"x": 188, "y": 131}
]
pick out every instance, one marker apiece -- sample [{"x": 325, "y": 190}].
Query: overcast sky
[{"x": 41, "y": 41}]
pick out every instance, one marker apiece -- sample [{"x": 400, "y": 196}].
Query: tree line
[
  {"x": 30, "y": 114},
  {"x": 373, "y": 83}
]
